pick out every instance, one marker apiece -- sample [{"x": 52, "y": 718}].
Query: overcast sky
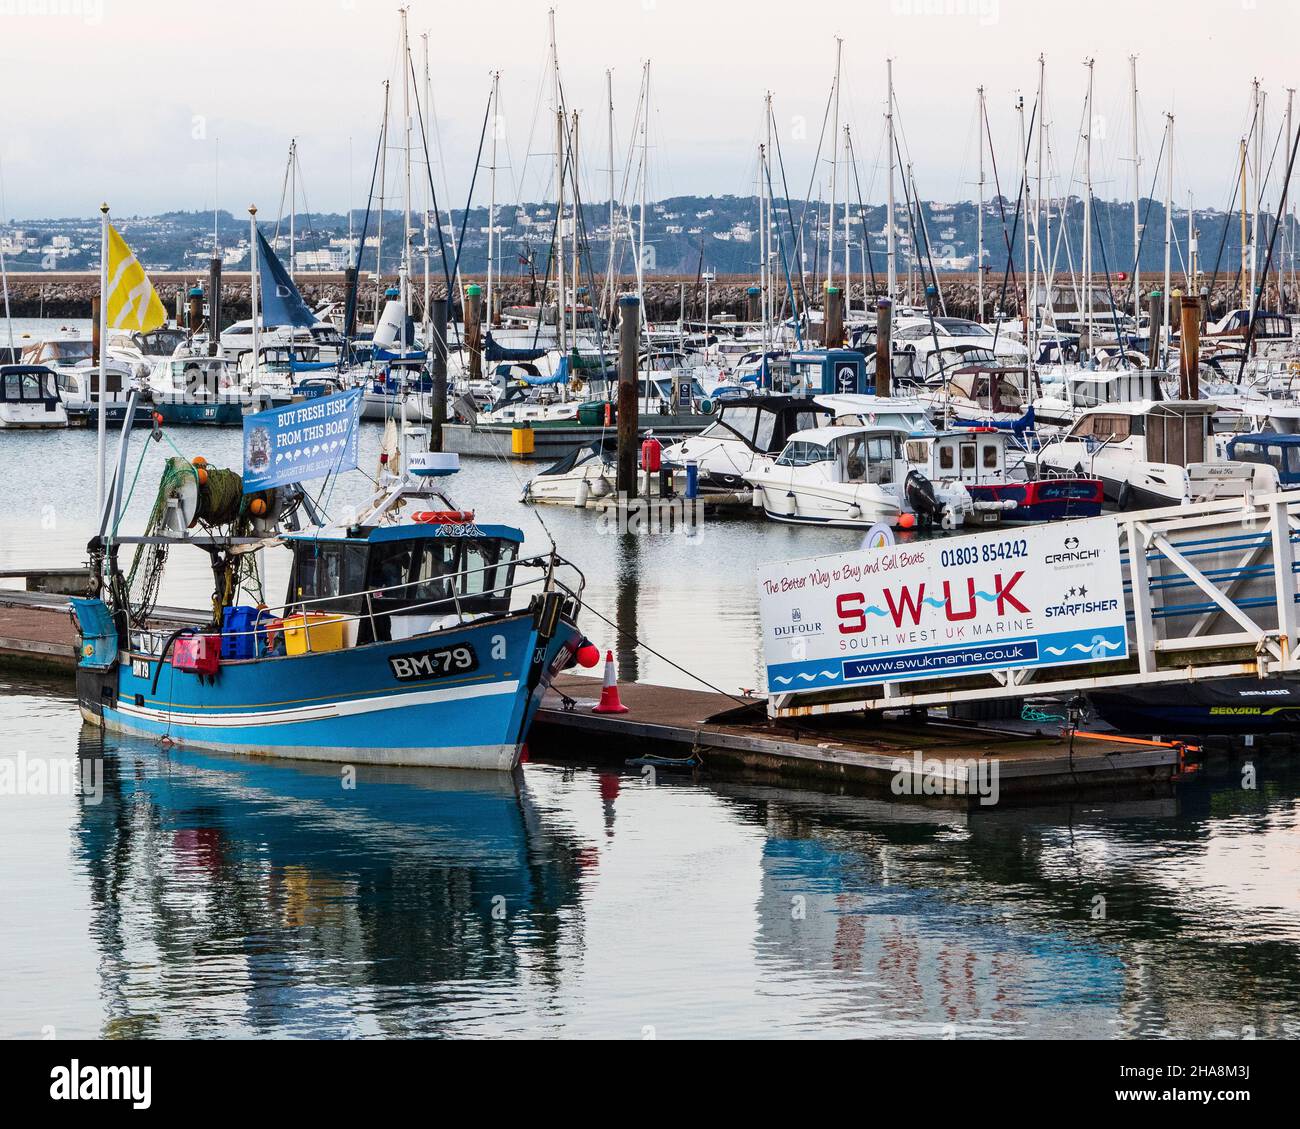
[{"x": 126, "y": 100}]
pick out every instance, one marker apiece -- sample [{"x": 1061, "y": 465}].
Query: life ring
[{"x": 444, "y": 517}]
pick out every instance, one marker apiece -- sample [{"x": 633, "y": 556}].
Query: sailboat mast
[
  {"x": 406, "y": 176},
  {"x": 1259, "y": 194},
  {"x": 1137, "y": 189},
  {"x": 1027, "y": 312},
  {"x": 645, "y": 173},
  {"x": 492, "y": 197},
  {"x": 557, "y": 248},
  {"x": 293, "y": 206},
  {"x": 427, "y": 319},
  {"x": 1169, "y": 221},
  {"x": 613, "y": 209},
  {"x": 379, "y": 234},
  {"x": 835, "y": 133},
  {"x": 979, "y": 215},
  {"x": 848, "y": 245},
  {"x": 576, "y": 208},
  {"x": 1087, "y": 215},
  {"x": 891, "y": 245}
]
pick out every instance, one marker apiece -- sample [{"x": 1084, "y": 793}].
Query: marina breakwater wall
[{"x": 54, "y": 295}]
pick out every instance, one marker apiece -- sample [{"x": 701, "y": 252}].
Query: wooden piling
[
  {"x": 833, "y": 318},
  {"x": 884, "y": 347},
  {"x": 438, "y": 370},
  {"x": 1189, "y": 352},
  {"x": 629, "y": 336},
  {"x": 474, "y": 331},
  {"x": 1155, "y": 320},
  {"x": 214, "y": 306}
]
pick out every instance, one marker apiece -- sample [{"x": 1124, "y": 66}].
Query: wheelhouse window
[{"x": 805, "y": 454}]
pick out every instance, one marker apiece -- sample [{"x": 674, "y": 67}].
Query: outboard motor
[{"x": 920, "y": 495}]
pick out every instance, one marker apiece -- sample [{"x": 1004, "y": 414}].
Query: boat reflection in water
[
  {"x": 237, "y": 896},
  {"x": 233, "y": 896}
]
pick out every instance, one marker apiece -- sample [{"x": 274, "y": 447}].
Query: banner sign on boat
[
  {"x": 301, "y": 441},
  {"x": 1046, "y": 596}
]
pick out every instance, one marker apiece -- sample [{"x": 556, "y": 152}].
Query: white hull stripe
[{"x": 322, "y": 711}]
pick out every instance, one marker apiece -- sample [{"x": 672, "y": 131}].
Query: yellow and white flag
[{"x": 129, "y": 297}]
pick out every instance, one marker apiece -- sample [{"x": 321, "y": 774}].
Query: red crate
[{"x": 197, "y": 654}]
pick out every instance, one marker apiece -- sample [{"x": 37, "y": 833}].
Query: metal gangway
[{"x": 1210, "y": 591}]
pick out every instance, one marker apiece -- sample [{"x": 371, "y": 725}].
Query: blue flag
[
  {"x": 281, "y": 302},
  {"x": 301, "y": 441}
]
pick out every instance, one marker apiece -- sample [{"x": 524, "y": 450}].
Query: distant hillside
[{"x": 685, "y": 235}]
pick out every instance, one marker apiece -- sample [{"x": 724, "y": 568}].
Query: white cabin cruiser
[
  {"x": 854, "y": 477},
  {"x": 753, "y": 431},
  {"x": 29, "y": 398},
  {"x": 1151, "y": 454}
]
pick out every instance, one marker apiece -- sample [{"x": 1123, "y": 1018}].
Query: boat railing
[{"x": 548, "y": 582}]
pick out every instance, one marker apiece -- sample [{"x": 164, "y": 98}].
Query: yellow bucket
[{"x": 313, "y": 634}]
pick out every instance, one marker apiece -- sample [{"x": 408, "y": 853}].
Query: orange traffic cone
[{"x": 609, "y": 700}]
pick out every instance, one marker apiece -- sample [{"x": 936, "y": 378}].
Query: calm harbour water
[{"x": 209, "y": 895}]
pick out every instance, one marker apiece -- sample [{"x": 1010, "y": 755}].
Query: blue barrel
[{"x": 692, "y": 481}]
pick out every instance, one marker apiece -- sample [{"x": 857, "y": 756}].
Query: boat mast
[
  {"x": 1259, "y": 195},
  {"x": 492, "y": 196},
  {"x": 613, "y": 209},
  {"x": 379, "y": 234},
  {"x": 1040, "y": 260},
  {"x": 891, "y": 248},
  {"x": 979, "y": 215},
  {"x": 1027, "y": 313},
  {"x": 848, "y": 245},
  {"x": 1087, "y": 215},
  {"x": 293, "y": 206},
  {"x": 1288, "y": 236},
  {"x": 645, "y": 174},
  {"x": 1169, "y": 221},
  {"x": 557, "y": 249},
  {"x": 765, "y": 158},
  {"x": 427, "y": 320},
  {"x": 1137, "y": 191},
  {"x": 1245, "y": 280},
  {"x": 405, "y": 280},
  {"x": 835, "y": 133},
  {"x": 576, "y": 209}
]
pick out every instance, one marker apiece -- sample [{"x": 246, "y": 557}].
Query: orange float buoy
[
  {"x": 199, "y": 461},
  {"x": 907, "y": 521},
  {"x": 202, "y": 476},
  {"x": 258, "y": 507}
]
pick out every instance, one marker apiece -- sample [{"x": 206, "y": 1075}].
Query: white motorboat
[
  {"x": 1152, "y": 453},
  {"x": 854, "y": 477},
  {"x": 29, "y": 398}
]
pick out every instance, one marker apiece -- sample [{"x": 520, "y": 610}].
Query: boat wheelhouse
[
  {"x": 29, "y": 398},
  {"x": 199, "y": 390},
  {"x": 1151, "y": 454}
]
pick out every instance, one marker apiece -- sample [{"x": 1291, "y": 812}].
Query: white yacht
[
  {"x": 854, "y": 477},
  {"x": 29, "y": 399},
  {"x": 1152, "y": 453}
]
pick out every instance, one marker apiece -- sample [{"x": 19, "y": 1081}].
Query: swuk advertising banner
[{"x": 1044, "y": 596}]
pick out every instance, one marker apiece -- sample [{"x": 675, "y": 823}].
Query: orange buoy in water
[{"x": 907, "y": 521}]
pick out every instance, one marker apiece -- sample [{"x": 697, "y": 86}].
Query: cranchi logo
[{"x": 908, "y": 603}]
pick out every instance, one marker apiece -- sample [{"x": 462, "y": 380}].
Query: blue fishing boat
[{"x": 410, "y": 634}]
